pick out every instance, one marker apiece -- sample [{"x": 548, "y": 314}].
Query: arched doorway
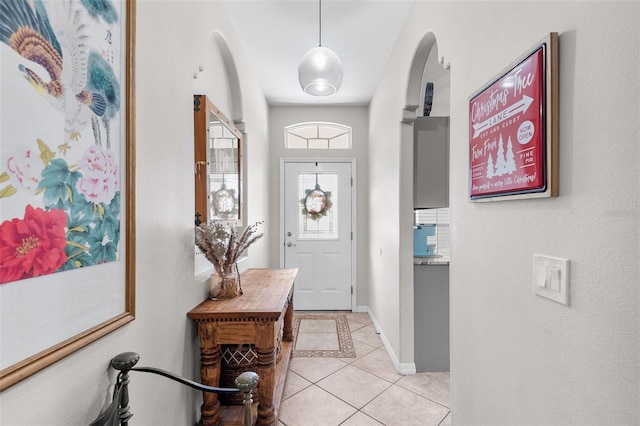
[{"x": 427, "y": 66}]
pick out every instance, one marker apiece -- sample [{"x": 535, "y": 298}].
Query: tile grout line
[
  {"x": 422, "y": 396},
  {"x": 365, "y": 414}
]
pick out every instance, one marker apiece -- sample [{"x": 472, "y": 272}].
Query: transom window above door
[{"x": 317, "y": 136}]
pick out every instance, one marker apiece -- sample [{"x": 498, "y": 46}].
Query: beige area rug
[{"x": 345, "y": 343}]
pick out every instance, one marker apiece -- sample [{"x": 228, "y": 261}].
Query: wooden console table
[{"x": 260, "y": 316}]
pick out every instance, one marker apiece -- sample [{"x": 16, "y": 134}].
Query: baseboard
[{"x": 406, "y": 368}]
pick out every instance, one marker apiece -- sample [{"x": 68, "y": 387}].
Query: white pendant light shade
[{"x": 320, "y": 72}]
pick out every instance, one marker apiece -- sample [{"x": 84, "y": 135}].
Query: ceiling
[{"x": 275, "y": 34}]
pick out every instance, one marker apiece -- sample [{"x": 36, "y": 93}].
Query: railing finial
[
  {"x": 247, "y": 382},
  {"x": 124, "y": 362}
]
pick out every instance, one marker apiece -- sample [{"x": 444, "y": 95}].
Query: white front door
[{"x": 317, "y": 233}]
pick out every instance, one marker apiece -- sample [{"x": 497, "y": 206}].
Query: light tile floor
[{"x": 361, "y": 391}]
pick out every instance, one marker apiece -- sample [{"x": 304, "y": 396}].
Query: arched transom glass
[{"x": 317, "y": 136}]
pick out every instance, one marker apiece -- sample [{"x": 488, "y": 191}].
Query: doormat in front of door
[{"x": 322, "y": 335}]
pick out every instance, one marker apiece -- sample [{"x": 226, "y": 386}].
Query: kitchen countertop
[{"x": 431, "y": 260}]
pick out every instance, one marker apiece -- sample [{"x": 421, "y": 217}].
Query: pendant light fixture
[{"x": 320, "y": 69}]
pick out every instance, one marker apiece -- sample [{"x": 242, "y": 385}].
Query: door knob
[{"x": 290, "y": 245}]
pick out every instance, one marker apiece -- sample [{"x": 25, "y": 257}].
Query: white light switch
[
  {"x": 551, "y": 278},
  {"x": 554, "y": 279},
  {"x": 542, "y": 276}
]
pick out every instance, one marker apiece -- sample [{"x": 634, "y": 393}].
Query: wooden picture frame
[
  {"x": 513, "y": 129},
  {"x": 218, "y": 149},
  {"x": 47, "y": 314}
]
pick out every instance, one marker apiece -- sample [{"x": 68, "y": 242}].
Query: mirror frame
[{"x": 203, "y": 108}]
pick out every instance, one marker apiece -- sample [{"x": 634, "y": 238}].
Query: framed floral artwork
[{"x": 66, "y": 178}]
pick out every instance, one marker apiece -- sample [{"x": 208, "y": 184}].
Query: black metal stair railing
[{"x": 118, "y": 412}]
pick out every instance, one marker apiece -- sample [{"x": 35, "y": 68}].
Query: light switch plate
[{"x": 551, "y": 278}]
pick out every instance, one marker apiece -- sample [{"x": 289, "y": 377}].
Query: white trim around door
[{"x": 354, "y": 239}]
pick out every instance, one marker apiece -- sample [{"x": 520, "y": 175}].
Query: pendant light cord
[{"x": 319, "y": 22}]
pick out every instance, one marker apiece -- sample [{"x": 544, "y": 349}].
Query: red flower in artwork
[{"x": 32, "y": 246}]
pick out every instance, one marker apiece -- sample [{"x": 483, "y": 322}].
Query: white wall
[
  {"x": 173, "y": 38},
  {"x": 518, "y": 358},
  {"x": 384, "y": 202},
  {"x": 355, "y": 117}
]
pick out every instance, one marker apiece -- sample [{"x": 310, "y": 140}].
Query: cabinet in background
[
  {"x": 431, "y": 317},
  {"x": 431, "y": 162}
]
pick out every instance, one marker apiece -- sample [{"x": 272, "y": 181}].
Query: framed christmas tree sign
[{"x": 513, "y": 129}]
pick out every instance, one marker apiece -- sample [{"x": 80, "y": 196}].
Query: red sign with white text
[{"x": 507, "y": 132}]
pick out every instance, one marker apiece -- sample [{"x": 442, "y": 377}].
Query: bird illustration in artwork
[
  {"x": 101, "y": 80},
  {"x": 54, "y": 39}
]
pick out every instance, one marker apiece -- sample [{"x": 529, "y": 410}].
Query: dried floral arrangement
[{"x": 223, "y": 246}]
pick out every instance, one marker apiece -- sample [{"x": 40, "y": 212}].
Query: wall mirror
[{"x": 218, "y": 165}]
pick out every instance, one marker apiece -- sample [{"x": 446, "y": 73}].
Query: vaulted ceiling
[{"x": 276, "y": 34}]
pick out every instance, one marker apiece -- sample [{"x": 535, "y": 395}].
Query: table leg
[
  {"x": 210, "y": 375},
  {"x": 266, "y": 372},
  {"x": 288, "y": 322}
]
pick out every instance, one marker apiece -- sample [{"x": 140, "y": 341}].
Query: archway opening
[{"x": 427, "y": 94}]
